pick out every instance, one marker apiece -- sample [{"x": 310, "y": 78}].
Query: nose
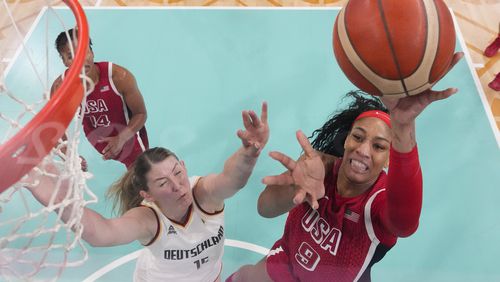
[
  {"x": 364, "y": 149},
  {"x": 88, "y": 56},
  {"x": 175, "y": 186},
  {"x": 70, "y": 60}
]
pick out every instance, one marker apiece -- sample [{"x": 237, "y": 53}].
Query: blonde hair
[{"x": 125, "y": 192}]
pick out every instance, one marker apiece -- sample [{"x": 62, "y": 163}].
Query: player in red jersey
[
  {"x": 345, "y": 211},
  {"x": 114, "y": 113}
]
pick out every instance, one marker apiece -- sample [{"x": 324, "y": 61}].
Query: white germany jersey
[{"x": 190, "y": 252}]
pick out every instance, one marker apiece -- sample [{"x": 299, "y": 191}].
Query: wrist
[
  {"x": 251, "y": 152},
  {"x": 126, "y": 134}
]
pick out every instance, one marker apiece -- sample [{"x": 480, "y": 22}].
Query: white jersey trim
[
  {"x": 124, "y": 104},
  {"x": 371, "y": 234}
]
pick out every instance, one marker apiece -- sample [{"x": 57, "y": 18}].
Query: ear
[{"x": 146, "y": 196}]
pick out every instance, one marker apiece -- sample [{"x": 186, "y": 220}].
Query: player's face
[
  {"x": 366, "y": 150},
  {"x": 67, "y": 57},
  {"x": 169, "y": 185}
]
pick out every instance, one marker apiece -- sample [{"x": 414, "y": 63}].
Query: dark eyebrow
[
  {"x": 376, "y": 137},
  {"x": 160, "y": 178}
]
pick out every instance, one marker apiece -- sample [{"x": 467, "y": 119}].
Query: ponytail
[{"x": 125, "y": 193}]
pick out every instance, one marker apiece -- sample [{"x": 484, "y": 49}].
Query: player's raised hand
[
  {"x": 256, "y": 131},
  {"x": 405, "y": 110},
  {"x": 306, "y": 174},
  {"x": 113, "y": 148}
]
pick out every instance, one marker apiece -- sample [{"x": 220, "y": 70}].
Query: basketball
[{"x": 394, "y": 48}]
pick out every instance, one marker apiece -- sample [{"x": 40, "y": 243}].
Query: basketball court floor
[{"x": 197, "y": 73}]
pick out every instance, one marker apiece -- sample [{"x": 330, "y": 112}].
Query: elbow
[
  {"x": 405, "y": 231},
  {"x": 408, "y": 232},
  {"x": 94, "y": 244},
  {"x": 90, "y": 237},
  {"x": 262, "y": 207},
  {"x": 262, "y": 210},
  {"x": 403, "y": 223},
  {"x": 95, "y": 241}
]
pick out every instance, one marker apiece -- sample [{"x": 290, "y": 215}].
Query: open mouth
[
  {"x": 358, "y": 166},
  {"x": 182, "y": 197}
]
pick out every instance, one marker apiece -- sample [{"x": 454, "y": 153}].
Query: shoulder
[
  {"x": 120, "y": 72},
  {"x": 194, "y": 180},
  {"x": 142, "y": 212},
  {"x": 123, "y": 79},
  {"x": 203, "y": 194},
  {"x": 328, "y": 160},
  {"x": 56, "y": 84},
  {"x": 146, "y": 216}
]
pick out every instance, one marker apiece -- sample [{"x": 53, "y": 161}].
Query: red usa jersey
[
  {"x": 106, "y": 114},
  {"x": 340, "y": 241}
]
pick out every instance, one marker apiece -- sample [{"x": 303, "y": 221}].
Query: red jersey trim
[
  {"x": 158, "y": 227},
  {"x": 200, "y": 208},
  {"x": 183, "y": 225}
]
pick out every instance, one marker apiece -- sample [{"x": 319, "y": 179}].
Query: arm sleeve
[{"x": 401, "y": 213}]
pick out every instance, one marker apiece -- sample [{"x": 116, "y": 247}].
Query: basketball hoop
[
  {"x": 35, "y": 140},
  {"x": 34, "y": 241}
]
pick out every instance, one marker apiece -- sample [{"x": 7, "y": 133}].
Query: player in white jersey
[
  {"x": 180, "y": 221},
  {"x": 184, "y": 252}
]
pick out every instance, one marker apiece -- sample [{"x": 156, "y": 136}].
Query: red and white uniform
[
  {"x": 106, "y": 114},
  {"x": 344, "y": 237}
]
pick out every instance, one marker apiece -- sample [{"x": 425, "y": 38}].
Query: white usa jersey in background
[{"x": 190, "y": 252}]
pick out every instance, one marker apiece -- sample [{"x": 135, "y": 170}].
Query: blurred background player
[
  {"x": 490, "y": 51},
  {"x": 115, "y": 112}
]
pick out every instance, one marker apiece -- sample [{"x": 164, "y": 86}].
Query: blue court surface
[{"x": 198, "y": 68}]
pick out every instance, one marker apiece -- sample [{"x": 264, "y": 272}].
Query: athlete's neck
[
  {"x": 347, "y": 189},
  {"x": 180, "y": 217},
  {"x": 94, "y": 73}
]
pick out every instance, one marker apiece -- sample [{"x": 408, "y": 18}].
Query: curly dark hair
[
  {"x": 331, "y": 136},
  {"x": 62, "y": 39}
]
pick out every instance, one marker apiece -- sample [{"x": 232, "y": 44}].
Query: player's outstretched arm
[
  {"x": 136, "y": 224},
  {"x": 213, "y": 189},
  {"x": 404, "y": 184}
]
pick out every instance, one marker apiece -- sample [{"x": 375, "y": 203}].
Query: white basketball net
[{"x": 34, "y": 242}]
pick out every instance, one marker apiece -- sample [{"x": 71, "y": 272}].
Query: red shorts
[{"x": 278, "y": 264}]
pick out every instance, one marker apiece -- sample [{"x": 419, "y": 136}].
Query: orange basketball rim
[{"x": 36, "y": 139}]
